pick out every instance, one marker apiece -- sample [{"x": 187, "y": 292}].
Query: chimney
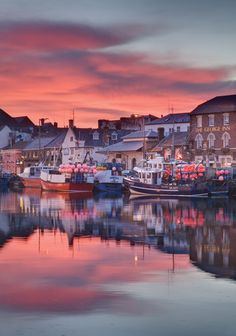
[
  {"x": 55, "y": 124},
  {"x": 71, "y": 123}
]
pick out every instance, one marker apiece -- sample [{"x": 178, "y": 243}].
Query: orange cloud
[{"x": 49, "y": 70}]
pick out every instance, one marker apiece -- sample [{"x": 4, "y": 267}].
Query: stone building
[{"x": 212, "y": 132}]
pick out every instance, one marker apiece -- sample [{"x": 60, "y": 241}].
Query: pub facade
[{"x": 212, "y": 138}]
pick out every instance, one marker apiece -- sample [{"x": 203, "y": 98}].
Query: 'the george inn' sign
[{"x": 213, "y": 129}]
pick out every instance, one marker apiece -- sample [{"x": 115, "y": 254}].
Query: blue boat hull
[{"x": 109, "y": 187}]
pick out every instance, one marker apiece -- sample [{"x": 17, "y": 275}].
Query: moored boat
[
  {"x": 109, "y": 178},
  {"x": 168, "y": 180},
  {"x": 68, "y": 179},
  {"x": 30, "y": 178}
]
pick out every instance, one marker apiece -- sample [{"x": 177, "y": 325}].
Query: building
[
  {"x": 174, "y": 146},
  {"x": 12, "y": 158},
  {"x": 86, "y": 144},
  {"x": 212, "y": 132},
  {"x": 135, "y": 122},
  {"x": 133, "y": 148},
  {"x": 179, "y": 122}
]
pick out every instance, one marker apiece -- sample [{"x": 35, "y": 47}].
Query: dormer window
[
  {"x": 226, "y": 119},
  {"x": 114, "y": 136},
  {"x": 95, "y": 136},
  {"x": 211, "y": 120}
]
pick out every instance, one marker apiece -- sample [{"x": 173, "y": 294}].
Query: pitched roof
[
  {"x": 86, "y": 135},
  {"x": 38, "y": 143},
  {"x": 218, "y": 104},
  {"x": 123, "y": 147},
  {"x": 141, "y": 134},
  {"x": 6, "y": 119},
  {"x": 17, "y": 145},
  {"x": 24, "y": 121},
  {"x": 172, "y": 118},
  {"x": 174, "y": 139},
  {"x": 57, "y": 140}
]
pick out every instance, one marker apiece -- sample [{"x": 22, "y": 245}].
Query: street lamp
[{"x": 41, "y": 123}]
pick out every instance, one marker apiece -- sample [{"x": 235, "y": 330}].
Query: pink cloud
[{"x": 53, "y": 83}]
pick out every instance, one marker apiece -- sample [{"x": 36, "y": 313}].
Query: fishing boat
[
  {"x": 69, "y": 178},
  {"x": 109, "y": 178},
  {"x": 30, "y": 178},
  {"x": 172, "y": 179}
]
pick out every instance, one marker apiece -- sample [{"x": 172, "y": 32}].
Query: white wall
[
  {"x": 126, "y": 158},
  {"x": 72, "y": 151},
  {"x": 4, "y": 136},
  {"x": 167, "y": 127}
]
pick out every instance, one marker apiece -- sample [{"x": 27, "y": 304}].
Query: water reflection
[{"x": 71, "y": 249}]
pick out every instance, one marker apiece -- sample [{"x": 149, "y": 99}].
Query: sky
[{"x": 106, "y": 59}]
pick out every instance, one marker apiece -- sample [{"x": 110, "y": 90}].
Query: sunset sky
[{"x": 110, "y": 58}]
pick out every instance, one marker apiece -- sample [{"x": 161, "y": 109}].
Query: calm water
[{"x": 93, "y": 266}]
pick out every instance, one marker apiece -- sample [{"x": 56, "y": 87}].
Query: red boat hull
[
  {"x": 31, "y": 182},
  {"x": 82, "y": 187}
]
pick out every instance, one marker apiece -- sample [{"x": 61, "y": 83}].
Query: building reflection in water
[{"x": 202, "y": 228}]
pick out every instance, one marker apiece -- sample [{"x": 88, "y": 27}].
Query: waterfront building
[
  {"x": 212, "y": 132},
  {"x": 86, "y": 144},
  {"x": 174, "y": 146},
  {"x": 133, "y": 148},
  {"x": 173, "y": 122}
]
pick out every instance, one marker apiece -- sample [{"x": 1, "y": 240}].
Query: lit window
[
  {"x": 226, "y": 139},
  {"x": 199, "y": 140},
  {"x": 211, "y": 140},
  {"x": 226, "y": 118},
  {"x": 199, "y": 121},
  {"x": 211, "y": 120}
]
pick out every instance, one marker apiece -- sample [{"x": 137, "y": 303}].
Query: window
[
  {"x": 226, "y": 139},
  {"x": 170, "y": 130},
  {"x": 211, "y": 140},
  {"x": 211, "y": 120},
  {"x": 199, "y": 121},
  {"x": 71, "y": 138},
  {"x": 226, "y": 119},
  {"x": 199, "y": 141},
  {"x": 95, "y": 136},
  {"x": 178, "y": 128},
  {"x": 114, "y": 136}
]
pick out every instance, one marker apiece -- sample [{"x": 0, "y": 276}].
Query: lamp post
[{"x": 41, "y": 123}]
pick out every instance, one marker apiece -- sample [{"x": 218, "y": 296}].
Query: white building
[
  {"x": 179, "y": 122},
  {"x": 83, "y": 144},
  {"x": 132, "y": 149}
]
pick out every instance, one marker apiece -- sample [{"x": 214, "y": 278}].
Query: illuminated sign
[{"x": 213, "y": 129}]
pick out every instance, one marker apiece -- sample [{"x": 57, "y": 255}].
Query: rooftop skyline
[{"x": 109, "y": 59}]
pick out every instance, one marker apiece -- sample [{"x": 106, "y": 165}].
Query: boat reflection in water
[
  {"x": 205, "y": 229},
  {"x": 79, "y": 260}
]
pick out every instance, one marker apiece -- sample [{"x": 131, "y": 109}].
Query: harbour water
[{"x": 73, "y": 265}]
